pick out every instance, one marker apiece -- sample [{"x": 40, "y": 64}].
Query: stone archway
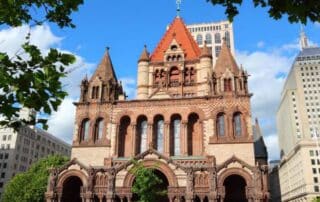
[
  {"x": 161, "y": 166},
  {"x": 71, "y": 191},
  {"x": 235, "y": 189},
  {"x": 162, "y": 170}
]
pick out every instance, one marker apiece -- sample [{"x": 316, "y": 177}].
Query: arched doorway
[
  {"x": 235, "y": 189},
  {"x": 162, "y": 187},
  {"x": 71, "y": 190}
]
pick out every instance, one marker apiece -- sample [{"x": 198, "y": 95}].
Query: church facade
[{"x": 191, "y": 122}]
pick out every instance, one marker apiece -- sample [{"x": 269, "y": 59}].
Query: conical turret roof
[
  {"x": 144, "y": 57},
  {"x": 205, "y": 51},
  {"x": 225, "y": 61},
  {"x": 105, "y": 70}
]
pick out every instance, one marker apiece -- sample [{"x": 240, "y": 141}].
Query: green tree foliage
[
  {"x": 316, "y": 200},
  {"x": 31, "y": 185},
  {"x": 146, "y": 184},
  {"x": 296, "y": 10},
  {"x": 29, "y": 78}
]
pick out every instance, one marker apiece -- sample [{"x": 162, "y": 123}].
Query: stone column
[
  {"x": 134, "y": 140},
  {"x": 201, "y": 125},
  {"x": 189, "y": 188},
  {"x": 166, "y": 138},
  {"x": 150, "y": 143},
  {"x": 111, "y": 186},
  {"x": 184, "y": 138},
  {"x": 116, "y": 144}
]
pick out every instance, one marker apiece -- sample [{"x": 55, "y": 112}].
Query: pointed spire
[
  {"x": 303, "y": 38},
  {"x": 105, "y": 70},
  {"x": 226, "y": 61},
  {"x": 144, "y": 57},
  {"x": 205, "y": 51},
  {"x": 85, "y": 79}
]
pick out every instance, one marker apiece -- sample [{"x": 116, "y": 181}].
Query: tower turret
[
  {"x": 103, "y": 85},
  {"x": 143, "y": 74},
  {"x": 204, "y": 70},
  {"x": 231, "y": 79}
]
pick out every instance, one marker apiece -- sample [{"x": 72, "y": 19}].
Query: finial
[
  {"x": 301, "y": 28},
  {"x": 303, "y": 38},
  {"x": 108, "y": 48},
  {"x": 178, "y": 2}
]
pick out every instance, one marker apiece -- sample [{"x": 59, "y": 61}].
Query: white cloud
[
  {"x": 268, "y": 70},
  {"x": 41, "y": 36},
  {"x": 317, "y": 24},
  {"x": 60, "y": 122},
  {"x": 272, "y": 145},
  {"x": 129, "y": 86}
]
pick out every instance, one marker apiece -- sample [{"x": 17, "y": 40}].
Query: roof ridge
[{"x": 178, "y": 31}]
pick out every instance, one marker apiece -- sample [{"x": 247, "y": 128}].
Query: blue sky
[
  {"x": 127, "y": 25},
  {"x": 264, "y": 46}
]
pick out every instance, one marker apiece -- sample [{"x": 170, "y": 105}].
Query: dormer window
[
  {"x": 174, "y": 47},
  {"x": 95, "y": 92},
  {"x": 227, "y": 85}
]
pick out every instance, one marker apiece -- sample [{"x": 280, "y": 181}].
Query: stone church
[{"x": 191, "y": 121}]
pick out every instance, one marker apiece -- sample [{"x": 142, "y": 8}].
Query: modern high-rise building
[
  {"x": 213, "y": 34},
  {"x": 20, "y": 149},
  {"x": 298, "y": 122},
  {"x": 191, "y": 122}
]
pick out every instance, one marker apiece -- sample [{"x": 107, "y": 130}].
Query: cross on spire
[{"x": 178, "y": 2}]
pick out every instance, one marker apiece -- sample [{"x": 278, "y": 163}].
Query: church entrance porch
[
  {"x": 235, "y": 189},
  {"x": 162, "y": 188},
  {"x": 71, "y": 190}
]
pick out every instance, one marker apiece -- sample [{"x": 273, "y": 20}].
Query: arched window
[
  {"x": 199, "y": 39},
  {"x": 174, "y": 76},
  {"x": 141, "y": 140},
  {"x": 227, "y": 85},
  {"x": 220, "y": 125},
  {"x": 158, "y": 136},
  {"x": 175, "y": 126},
  {"x": 85, "y": 126},
  {"x": 174, "y": 47},
  {"x": 208, "y": 38},
  {"x": 194, "y": 135},
  {"x": 237, "y": 128},
  {"x": 217, "y": 38},
  {"x": 174, "y": 58},
  {"x": 95, "y": 92},
  {"x": 124, "y": 137},
  {"x": 99, "y": 126}
]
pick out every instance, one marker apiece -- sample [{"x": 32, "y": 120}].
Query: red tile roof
[{"x": 181, "y": 34}]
